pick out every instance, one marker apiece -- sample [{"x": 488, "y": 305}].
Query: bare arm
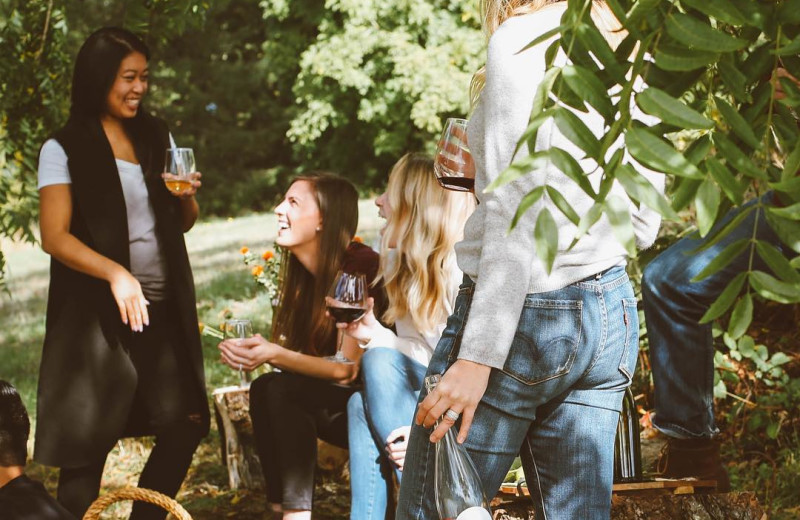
[
  {"x": 55, "y": 214},
  {"x": 255, "y": 351}
]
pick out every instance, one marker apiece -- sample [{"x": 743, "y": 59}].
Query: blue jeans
[
  {"x": 556, "y": 401},
  {"x": 391, "y": 384},
  {"x": 681, "y": 349}
]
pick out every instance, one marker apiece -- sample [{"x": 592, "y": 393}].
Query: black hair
[
  {"x": 96, "y": 68},
  {"x": 15, "y": 426}
]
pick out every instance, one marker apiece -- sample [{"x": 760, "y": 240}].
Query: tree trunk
[{"x": 232, "y": 405}]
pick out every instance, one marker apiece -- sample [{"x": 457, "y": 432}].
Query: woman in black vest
[{"x": 122, "y": 351}]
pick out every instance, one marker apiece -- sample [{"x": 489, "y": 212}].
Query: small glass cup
[
  {"x": 178, "y": 165},
  {"x": 453, "y": 164},
  {"x": 240, "y": 329}
]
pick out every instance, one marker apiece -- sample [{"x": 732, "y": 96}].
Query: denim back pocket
[
  {"x": 546, "y": 341},
  {"x": 630, "y": 353}
]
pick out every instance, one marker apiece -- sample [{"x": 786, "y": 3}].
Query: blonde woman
[
  {"x": 534, "y": 362},
  {"x": 421, "y": 278}
]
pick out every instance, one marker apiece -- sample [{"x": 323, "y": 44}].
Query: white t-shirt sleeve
[{"x": 53, "y": 165}]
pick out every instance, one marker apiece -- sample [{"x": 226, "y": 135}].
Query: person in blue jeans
[
  {"x": 682, "y": 349},
  {"x": 420, "y": 277},
  {"x": 534, "y": 360}
]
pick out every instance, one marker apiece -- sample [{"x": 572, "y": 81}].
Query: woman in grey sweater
[{"x": 534, "y": 362}]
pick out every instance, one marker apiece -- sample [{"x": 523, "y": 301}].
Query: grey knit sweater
[{"x": 504, "y": 265}]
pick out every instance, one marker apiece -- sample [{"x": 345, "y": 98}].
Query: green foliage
[
  {"x": 32, "y": 105},
  {"x": 375, "y": 78}
]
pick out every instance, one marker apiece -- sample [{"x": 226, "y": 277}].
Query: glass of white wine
[
  {"x": 178, "y": 166},
  {"x": 239, "y": 329}
]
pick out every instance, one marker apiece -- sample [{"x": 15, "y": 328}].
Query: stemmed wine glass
[
  {"x": 240, "y": 329},
  {"x": 453, "y": 164},
  {"x": 178, "y": 165},
  {"x": 346, "y": 302}
]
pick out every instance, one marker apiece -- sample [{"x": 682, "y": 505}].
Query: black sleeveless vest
[{"x": 87, "y": 380}]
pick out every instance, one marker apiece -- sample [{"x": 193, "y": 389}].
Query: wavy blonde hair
[
  {"x": 425, "y": 223},
  {"x": 495, "y": 12}
]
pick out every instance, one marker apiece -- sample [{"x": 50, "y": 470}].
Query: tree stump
[{"x": 232, "y": 410}]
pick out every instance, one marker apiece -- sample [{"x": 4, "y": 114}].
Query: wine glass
[
  {"x": 178, "y": 165},
  {"x": 240, "y": 329},
  {"x": 347, "y": 302},
  {"x": 454, "y": 167}
]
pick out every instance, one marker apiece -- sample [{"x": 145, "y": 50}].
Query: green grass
[{"x": 224, "y": 288}]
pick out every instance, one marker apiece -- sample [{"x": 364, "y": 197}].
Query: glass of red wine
[
  {"x": 454, "y": 167},
  {"x": 346, "y": 302}
]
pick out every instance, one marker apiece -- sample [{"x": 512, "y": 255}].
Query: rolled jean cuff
[{"x": 677, "y": 432}]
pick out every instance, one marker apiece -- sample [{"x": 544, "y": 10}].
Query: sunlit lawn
[{"x": 224, "y": 287}]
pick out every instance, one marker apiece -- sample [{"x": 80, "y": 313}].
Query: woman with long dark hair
[
  {"x": 122, "y": 351},
  {"x": 307, "y": 398}
]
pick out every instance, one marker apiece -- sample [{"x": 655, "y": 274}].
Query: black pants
[
  {"x": 289, "y": 413},
  {"x": 166, "y": 403}
]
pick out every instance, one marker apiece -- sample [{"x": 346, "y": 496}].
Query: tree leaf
[
  {"x": 685, "y": 192},
  {"x": 790, "y": 49},
  {"x": 734, "y": 80},
  {"x": 725, "y": 299},
  {"x": 787, "y": 230},
  {"x": 725, "y": 230},
  {"x": 706, "y": 202},
  {"x": 588, "y": 220},
  {"x": 543, "y": 90},
  {"x": 543, "y": 37},
  {"x": 639, "y": 10},
  {"x": 737, "y": 123},
  {"x": 680, "y": 59},
  {"x": 617, "y": 211},
  {"x": 577, "y": 132},
  {"x": 517, "y": 169},
  {"x": 736, "y": 158},
  {"x": 724, "y": 258},
  {"x": 527, "y": 201},
  {"x": 569, "y": 166},
  {"x": 789, "y": 12},
  {"x": 792, "y": 164},
  {"x": 545, "y": 236},
  {"x": 773, "y": 289},
  {"x": 722, "y": 175},
  {"x": 778, "y": 359},
  {"x": 741, "y": 317},
  {"x": 791, "y": 187},
  {"x": 777, "y": 262},
  {"x": 592, "y": 39},
  {"x": 529, "y": 134},
  {"x": 658, "y": 103},
  {"x": 564, "y": 206},
  {"x": 789, "y": 212},
  {"x": 584, "y": 83},
  {"x": 657, "y": 154},
  {"x": 721, "y": 10},
  {"x": 640, "y": 189},
  {"x": 694, "y": 34}
]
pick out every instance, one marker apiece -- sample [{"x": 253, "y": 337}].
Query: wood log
[
  {"x": 730, "y": 506},
  {"x": 232, "y": 410}
]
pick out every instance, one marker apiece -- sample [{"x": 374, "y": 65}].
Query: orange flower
[
  {"x": 268, "y": 255},
  {"x": 244, "y": 250},
  {"x": 358, "y": 239},
  {"x": 257, "y": 270}
]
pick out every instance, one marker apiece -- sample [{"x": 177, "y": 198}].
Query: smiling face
[
  {"x": 299, "y": 218},
  {"x": 129, "y": 87}
]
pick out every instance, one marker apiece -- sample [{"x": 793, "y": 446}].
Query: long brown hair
[{"x": 301, "y": 323}]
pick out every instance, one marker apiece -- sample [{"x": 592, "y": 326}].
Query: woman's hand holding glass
[
  {"x": 180, "y": 175},
  {"x": 248, "y": 353},
  {"x": 362, "y": 329}
]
